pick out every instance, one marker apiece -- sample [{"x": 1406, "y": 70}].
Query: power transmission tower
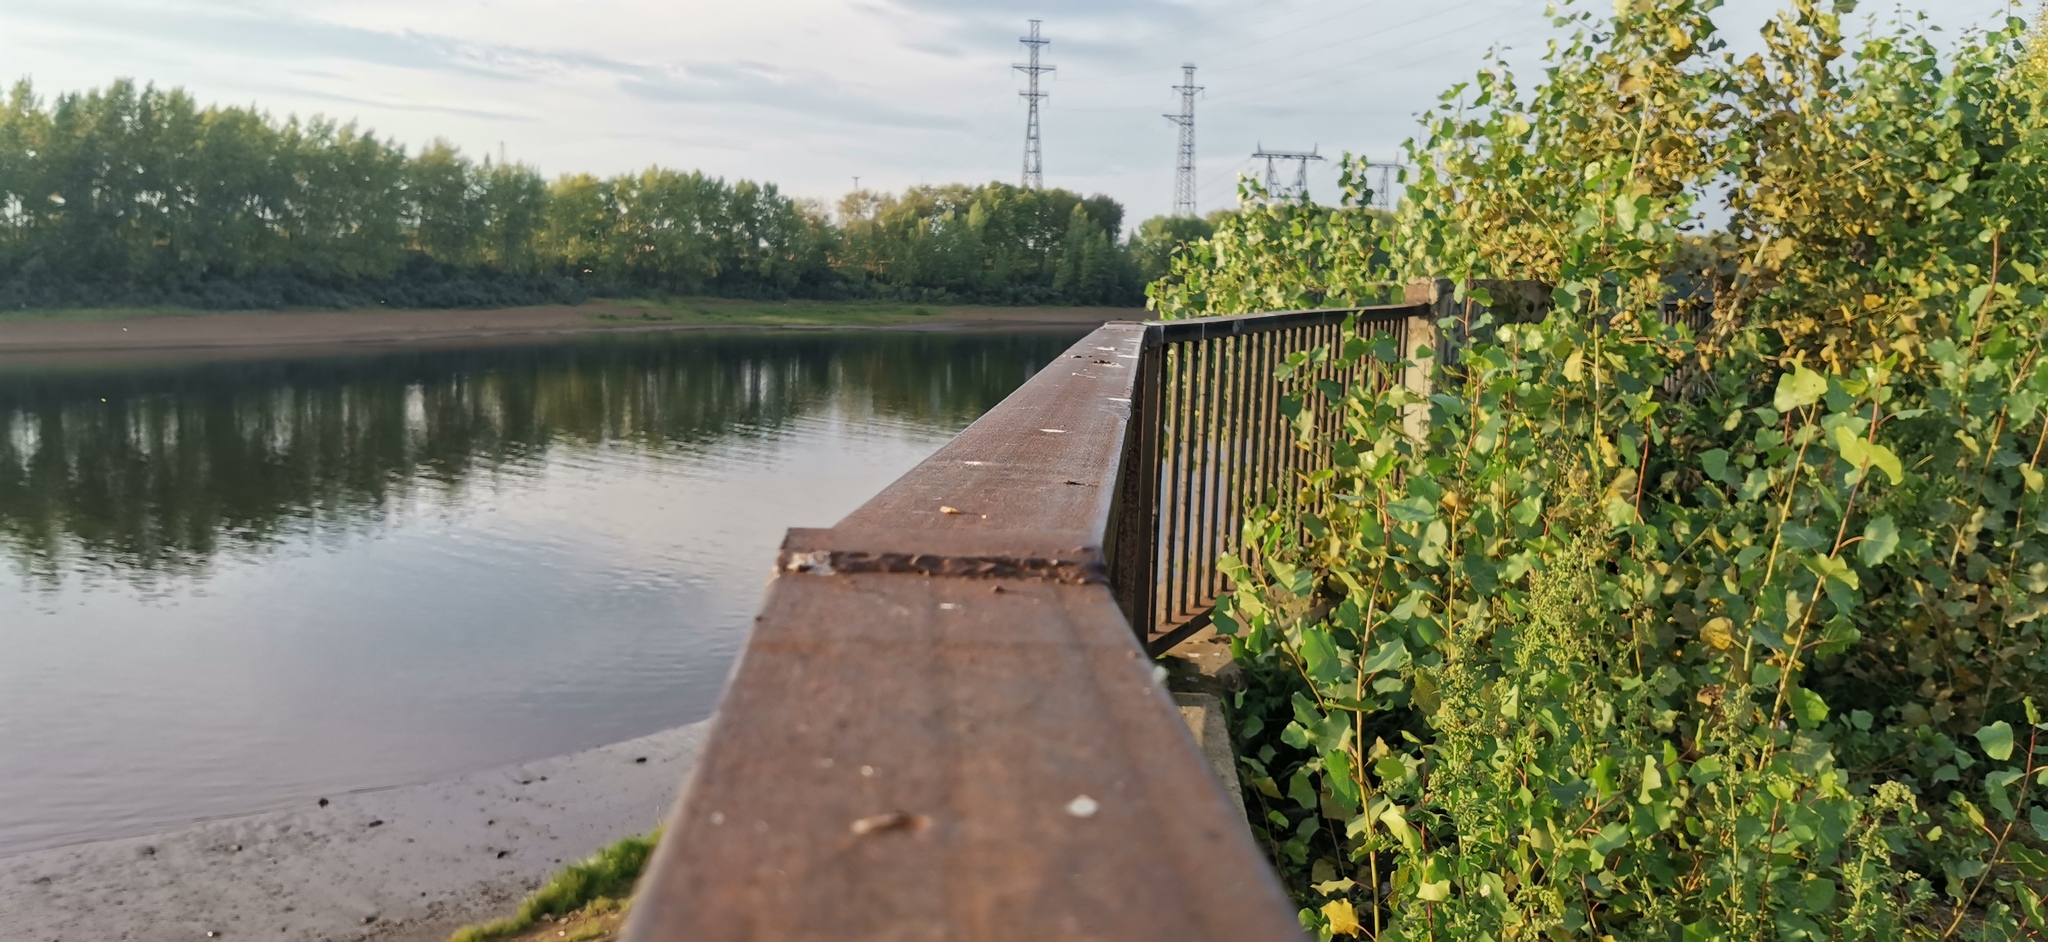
[
  {"x": 1184, "y": 173},
  {"x": 1383, "y": 195},
  {"x": 1275, "y": 190},
  {"x": 1034, "y": 164}
]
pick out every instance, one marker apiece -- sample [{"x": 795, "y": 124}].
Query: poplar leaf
[
  {"x": 1719, "y": 632},
  {"x": 2030, "y": 863},
  {"x": 1800, "y": 388},
  {"x": 1880, "y": 539},
  {"x": 1715, "y": 463},
  {"x": 1399, "y": 826},
  {"x": 1321, "y": 654},
  {"x": 1416, "y": 509},
  {"x": 1978, "y": 296},
  {"x": 1392, "y": 655},
  {"x": 1866, "y": 454},
  {"x": 1832, "y": 569},
  {"x": 1996, "y": 740},
  {"x": 1343, "y": 919},
  {"x": 1809, "y": 707}
]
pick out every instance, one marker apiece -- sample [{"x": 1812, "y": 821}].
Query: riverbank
[
  {"x": 156, "y": 333},
  {"x": 406, "y": 864}
]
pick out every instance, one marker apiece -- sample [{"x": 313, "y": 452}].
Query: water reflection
[
  {"x": 152, "y": 473},
  {"x": 236, "y": 587}
]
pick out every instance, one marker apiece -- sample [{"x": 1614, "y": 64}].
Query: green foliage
[
  {"x": 608, "y": 874},
  {"x": 1622, "y": 632},
  {"x": 1276, "y": 255},
  {"x": 993, "y": 243},
  {"x": 139, "y": 196},
  {"x": 1157, "y": 239}
]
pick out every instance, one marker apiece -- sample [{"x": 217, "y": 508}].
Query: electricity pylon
[
  {"x": 1184, "y": 172},
  {"x": 1275, "y": 190},
  {"x": 1034, "y": 163}
]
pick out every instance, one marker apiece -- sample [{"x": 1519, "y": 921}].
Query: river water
[{"x": 234, "y": 587}]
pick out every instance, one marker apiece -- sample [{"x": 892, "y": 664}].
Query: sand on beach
[{"x": 404, "y": 864}]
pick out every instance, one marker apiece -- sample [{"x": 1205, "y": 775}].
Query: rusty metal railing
[
  {"x": 1213, "y": 441},
  {"x": 944, "y": 725}
]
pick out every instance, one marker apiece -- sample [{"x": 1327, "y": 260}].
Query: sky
[{"x": 810, "y": 94}]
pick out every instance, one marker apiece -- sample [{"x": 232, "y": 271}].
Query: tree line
[{"x": 138, "y": 195}]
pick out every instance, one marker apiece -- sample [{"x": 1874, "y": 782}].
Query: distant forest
[{"x": 136, "y": 195}]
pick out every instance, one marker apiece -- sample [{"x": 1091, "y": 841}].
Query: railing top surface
[
  {"x": 943, "y": 727},
  {"x": 1203, "y": 328},
  {"x": 1044, "y": 460}
]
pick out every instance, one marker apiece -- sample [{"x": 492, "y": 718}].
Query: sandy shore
[
  {"x": 407, "y": 864},
  {"x": 243, "y": 334}
]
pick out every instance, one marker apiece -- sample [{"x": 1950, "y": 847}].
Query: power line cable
[
  {"x": 1477, "y": 24},
  {"x": 1237, "y": 94},
  {"x": 1378, "y": 33},
  {"x": 1208, "y": 25},
  {"x": 1240, "y": 47}
]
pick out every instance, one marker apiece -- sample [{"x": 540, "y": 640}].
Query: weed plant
[{"x": 608, "y": 874}]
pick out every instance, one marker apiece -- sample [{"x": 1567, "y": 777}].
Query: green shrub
[{"x": 1648, "y": 635}]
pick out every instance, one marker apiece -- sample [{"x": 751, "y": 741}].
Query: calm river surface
[{"x": 235, "y": 587}]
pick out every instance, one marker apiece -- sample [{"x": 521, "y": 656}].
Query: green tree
[{"x": 1158, "y": 238}]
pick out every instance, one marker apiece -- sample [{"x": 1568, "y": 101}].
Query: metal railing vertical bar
[
  {"x": 1241, "y": 481},
  {"x": 1294, "y": 453},
  {"x": 1276, "y": 440},
  {"x": 1139, "y": 489},
  {"x": 1276, "y": 451},
  {"x": 1219, "y": 491},
  {"x": 1212, "y": 502},
  {"x": 1176, "y": 478},
  {"x": 1147, "y": 469},
  {"x": 1230, "y": 496},
  {"x": 1189, "y": 448},
  {"x": 1235, "y": 482},
  {"x": 1200, "y": 493},
  {"x": 1263, "y": 427},
  {"x": 1255, "y": 422}
]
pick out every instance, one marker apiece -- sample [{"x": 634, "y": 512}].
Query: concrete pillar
[
  {"x": 1514, "y": 302},
  {"x": 1423, "y": 332}
]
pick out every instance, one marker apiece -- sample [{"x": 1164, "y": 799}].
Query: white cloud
[{"x": 809, "y": 93}]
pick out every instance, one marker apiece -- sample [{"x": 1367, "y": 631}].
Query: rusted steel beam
[
  {"x": 943, "y": 726},
  {"x": 1203, "y": 328},
  {"x": 1046, "y": 458}
]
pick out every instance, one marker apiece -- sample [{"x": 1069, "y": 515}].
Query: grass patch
[{"x": 605, "y": 876}]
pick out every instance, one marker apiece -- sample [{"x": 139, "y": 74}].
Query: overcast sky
[{"x": 811, "y": 93}]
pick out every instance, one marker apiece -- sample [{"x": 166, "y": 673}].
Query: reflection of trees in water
[{"x": 179, "y": 463}]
